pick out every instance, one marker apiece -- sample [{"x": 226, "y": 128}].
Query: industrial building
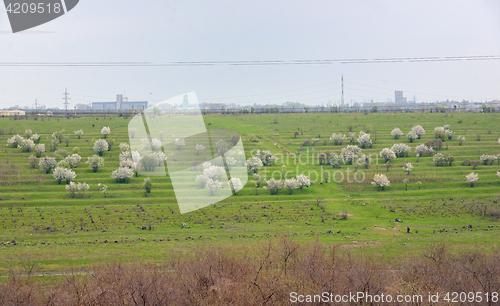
[{"x": 121, "y": 103}]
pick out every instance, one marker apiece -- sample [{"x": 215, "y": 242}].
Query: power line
[{"x": 254, "y": 62}]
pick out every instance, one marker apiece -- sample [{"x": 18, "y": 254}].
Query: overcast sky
[{"x": 168, "y": 31}]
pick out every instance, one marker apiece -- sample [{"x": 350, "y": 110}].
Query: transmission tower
[
  {"x": 66, "y": 94},
  {"x": 342, "y": 99}
]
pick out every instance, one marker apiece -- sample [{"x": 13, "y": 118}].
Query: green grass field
[{"x": 62, "y": 233}]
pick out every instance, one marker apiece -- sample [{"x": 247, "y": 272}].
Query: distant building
[
  {"x": 15, "y": 112},
  {"x": 398, "y": 97},
  {"x": 83, "y": 107},
  {"x": 121, "y": 103}
]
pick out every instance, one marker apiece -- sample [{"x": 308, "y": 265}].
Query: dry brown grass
[{"x": 212, "y": 277}]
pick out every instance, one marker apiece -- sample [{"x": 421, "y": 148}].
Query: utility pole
[
  {"x": 66, "y": 103},
  {"x": 36, "y": 104}
]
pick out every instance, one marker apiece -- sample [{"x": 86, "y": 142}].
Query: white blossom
[
  {"x": 105, "y": 131},
  {"x": 47, "y": 164},
  {"x": 122, "y": 174},
  {"x": 412, "y": 136},
  {"x": 396, "y": 133},
  {"x": 26, "y": 145},
  {"x": 419, "y": 130},
  {"x": 61, "y": 173},
  {"x": 79, "y": 133},
  {"x": 199, "y": 148},
  {"x": 407, "y": 168},
  {"x": 155, "y": 144},
  {"x": 35, "y": 137},
  {"x": 124, "y": 146},
  {"x": 235, "y": 184},
  {"x": 364, "y": 140},
  {"x": 291, "y": 184},
  {"x": 401, "y": 149},
  {"x": 15, "y": 141},
  {"x": 381, "y": 181},
  {"x": 179, "y": 143},
  {"x": 338, "y": 138},
  {"x": 213, "y": 186},
  {"x": 231, "y": 162},
  {"x": 421, "y": 149},
  {"x": 472, "y": 178},
  {"x": 28, "y": 133},
  {"x": 387, "y": 154},
  {"x": 100, "y": 146},
  {"x": 95, "y": 162},
  {"x": 350, "y": 153},
  {"x": 273, "y": 186},
  {"x": 488, "y": 159},
  {"x": 254, "y": 164},
  {"x": 73, "y": 160},
  {"x": 79, "y": 189},
  {"x": 303, "y": 181},
  {"x": 267, "y": 158}
]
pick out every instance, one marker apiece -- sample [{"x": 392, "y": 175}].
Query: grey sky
[{"x": 166, "y": 31}]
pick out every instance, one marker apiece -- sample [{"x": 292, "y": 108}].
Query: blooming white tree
[
  {"x": 230, "y": 162},
  {"x": 199, "y": 148},
  {"x": 303, "y": 181},
  {"x": 62, "y": 173},
  {"x": 79, "y": 189},
  {"x": 124, "y": 146},
  {"x": 73, "y": 160},
  {"x": 350, "y": 154},
  {"x": 472, "y": 178},
  {"x": 407, "y": 168},
  {"x": 401, "y": 149},
  {"x": 422, "y": 149},
  {"x": 95, "y": 162},
  {"x": 461, "y": 140},
  {"x": 100, "y": 146},
  {"x": 291, "y": 184},
  {"x": 131, "y": 132},
  {"x": 235, "y": 184},
  {"x": 412, "y": 136},
  {"x": 254, "y": 164},
  {"x": 28, "y": 133},
  {"x": 267, "y": 157},
  {"x": 79, "y": 133},
  {"x": 15, "y": 141},
  {"x": 155, "y": 144},
  {"x": 488, "y": 159},
  {"x": 36, "y": 138},
  {"x": 122, "y": 174},
  {"x": 364, "y": 140},
  {"x": 335, "y": 160},
  {"x": 202, "y": 180},
  {"x": 419, "y": 130},
  {"x": 442, "y": 160},
  {"x": 396, "y": 133},
  {"x": 213, "y": 186},
  {"x": 47, "y": 164},
  {"x": 273, "y": 186},
  {"x": 179, "y": 143},
  {"x": 381, "y": 181},
  {"x": 26, "y": 145},
  {"x": 338, "y": 138},
  {"x": 449, "y": 134},
  {"x": 498, "y": 173},
  {"x": 105, "y": 131},
  {"x": 387, "y": 154}
]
